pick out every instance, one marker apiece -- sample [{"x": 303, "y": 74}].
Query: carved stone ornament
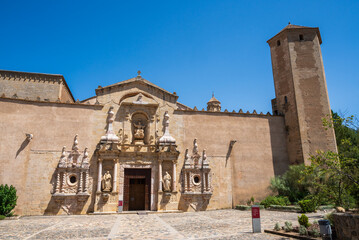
[
  {"x": 110, "y": 135},
  {"x": 72, "y": 172},
  {"x": 196, "y": 172},
  {"x": 196, "y": 179},
  {"x": 166, "y": 138}
]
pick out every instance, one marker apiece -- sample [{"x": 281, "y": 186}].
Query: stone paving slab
[{"x": 220, "y": 224}]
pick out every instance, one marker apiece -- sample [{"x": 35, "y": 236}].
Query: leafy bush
[
  {"x": 330, "y": 217},
  {"x": 7, "y": 199},
  {"x": 272, "y": 200},
  {"x": 325, "y": 207},
  {"x": 243, "y": 207},
  {"x": 303, "y": 230},
  {"x": 314, "y": 230},
  {"x": 277, "y": 227},
  {"x": 2, "y": 217},
  {"x": 293, "y": 183},
  {"x": 307, "y": 205},
  {"x": 284, "y": 208},
  {"x": 250, "y": 201},
  {"x": 303, "y": 220},
  {"x": 288, "y": 226},
  {"x": 315, "y": 233}
]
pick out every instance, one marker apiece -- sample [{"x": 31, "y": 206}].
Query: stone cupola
[{"x": 213, "y": 105}]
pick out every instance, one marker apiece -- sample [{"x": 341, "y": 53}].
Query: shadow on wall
[
  {"x": 22, "y": 147},
  {"x": 92, "y": 190},
  {"x": 279, "y": 148},
  {"x": 193, "y": 203}
]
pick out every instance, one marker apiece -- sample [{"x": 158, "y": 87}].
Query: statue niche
[
  {"x": 139, "y": 129},
  {"x": 106, "y": 182}
]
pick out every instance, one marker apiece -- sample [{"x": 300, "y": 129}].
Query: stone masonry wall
[
  {"x": 30, "y": 165},
  {"x": 260, "y": 150},
  {"x": 33, "y": 86}
]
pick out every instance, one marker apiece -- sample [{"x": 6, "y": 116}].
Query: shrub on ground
[
  {"x": 307, "y": 205},
  {"x": 288, "y": 226},
  {"x": 277, "y": 227},
  {"x": 243, "y": 207},
  {"x": 272, "y": 200},
  {"x": 330, "y": 217},
  {"x": 303, "y": 230},
  {"x": 303, "y": 220},
  {"x": 284, "y": 208},
  {"x": 2, "y": 217},
  {"x": 7, "y": 199}
]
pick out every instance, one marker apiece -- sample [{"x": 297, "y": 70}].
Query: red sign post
[
  {"x": 256, "y": 219},
  {"x": 120, "y": 205}
]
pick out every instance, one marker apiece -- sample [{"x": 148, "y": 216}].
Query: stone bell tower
[{"x": 301, "y": 91}]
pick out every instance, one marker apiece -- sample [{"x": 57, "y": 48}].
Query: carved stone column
[
  {"x": 114, "y": 188},
  {"x": 99, "y": 175},
  {"x": 58, "y": 183},
  {"x": 185, "y": 182},
  {"x": 174, "y": 176},
  {"x": 81, "y": 182},
  {"x": 63, "y": 181},
  {"x": 86, "y": 181},
  {"x": 160, "y": 175},
  {"x": 188, "y": 182}
]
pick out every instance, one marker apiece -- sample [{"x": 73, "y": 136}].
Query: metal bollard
[{"x": 325, "y": 229}]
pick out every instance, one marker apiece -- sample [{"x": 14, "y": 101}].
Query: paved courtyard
[{"x": 219, "y": 224}]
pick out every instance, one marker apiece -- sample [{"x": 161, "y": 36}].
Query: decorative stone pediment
[
  {"x": 138, "y": 83},
  {"x": 139, "y": 99}
]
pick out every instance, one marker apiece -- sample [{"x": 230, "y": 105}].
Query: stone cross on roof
[{"x": 139, "y": 73}]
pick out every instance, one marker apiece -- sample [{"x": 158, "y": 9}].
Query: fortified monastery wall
[{"x": 133, "y": 146}]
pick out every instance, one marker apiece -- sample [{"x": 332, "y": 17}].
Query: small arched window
[
  {"x": 285, "y": 99},
  {"x": 301, "y": 37},
  {"x": 278, "y": 43}
]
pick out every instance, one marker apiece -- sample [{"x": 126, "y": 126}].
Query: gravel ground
[{"x": 219, "y": 224}]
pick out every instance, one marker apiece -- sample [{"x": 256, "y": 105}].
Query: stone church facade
[{"x": 133, "y": 146}]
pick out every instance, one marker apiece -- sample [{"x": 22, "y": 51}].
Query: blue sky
[{"x": 190, "y": 47}]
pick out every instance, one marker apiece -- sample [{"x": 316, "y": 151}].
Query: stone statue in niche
[
  {"x": 167, "y": 182},
  {"x": 139, "y": 131},
  {"x": 106, "y": 182}
]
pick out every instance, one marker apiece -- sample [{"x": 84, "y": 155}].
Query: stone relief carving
[
  {"x": 196, "y": 179},
  {"x": 72, "y": 172},
  {"x": 139, "y": 130},
  {"x": 167, "y": 182}
]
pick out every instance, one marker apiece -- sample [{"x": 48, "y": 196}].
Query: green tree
[
  {"x": 335, "y": 176},
  {"x": 8, "y": 199}
]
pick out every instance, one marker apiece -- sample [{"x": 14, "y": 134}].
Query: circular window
[
  {"x": 72, "y": 179},
  {"x": 196, "y": 179}
]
